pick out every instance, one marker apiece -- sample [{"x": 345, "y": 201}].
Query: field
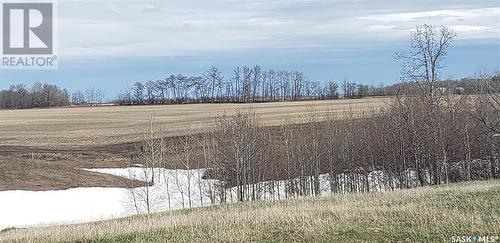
[
  {"x": 74, "y": 128},
  {"x": 428, "y": 214},
  {"x": 56, "y": 142}
]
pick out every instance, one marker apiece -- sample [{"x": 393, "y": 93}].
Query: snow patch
[{"x": 172, "y": 189}]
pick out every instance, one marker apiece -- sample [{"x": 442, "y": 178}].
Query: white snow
[
  {"x": 77, "y": 205},
  {"x": 28, "y": 208},
  {"x": 171, "y": 190}
]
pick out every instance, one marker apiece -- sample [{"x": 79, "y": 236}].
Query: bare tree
[
  {"x": 138, "y": 91},
  {"x": 78, "y": 98},
  {"x": 183, "y": 150},
  {"x": 333, "y": 90},
  {"x": 422, "y": 64},
  {"x": 147, "y": 198},
  {"x": 215, "y": 80}
]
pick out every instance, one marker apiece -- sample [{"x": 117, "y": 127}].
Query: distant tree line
[
  {"x": 470, "y": 85},
  {"x": 266, "y": 87},
  {"x": 257, "y": 85},
  {"x": 42, "y": 95},
  {"x": 39, "y": 95},
  {"x": 247, "y": 84}
]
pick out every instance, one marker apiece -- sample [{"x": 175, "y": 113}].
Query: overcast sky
[{"x": 113, "y": 43}]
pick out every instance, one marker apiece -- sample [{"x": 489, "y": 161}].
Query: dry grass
[
  {"x": 39, "y": 175},
  {"x": 70, "y": 128},
  {"x": 431, "y": 214}
]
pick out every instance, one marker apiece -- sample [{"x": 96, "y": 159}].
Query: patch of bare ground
[{"x": 38, "y": 175}]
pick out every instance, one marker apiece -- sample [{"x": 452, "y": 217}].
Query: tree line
[
  {"x": 246, "y": 84},
  {"x": 42, "y": 95},
  {"x": 39, "y": 95},
  {"x": 258, "y": 85},
  {"x": 183, "y": 89}
]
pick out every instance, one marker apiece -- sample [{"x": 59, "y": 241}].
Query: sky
[{"x": 111, "y": 44}]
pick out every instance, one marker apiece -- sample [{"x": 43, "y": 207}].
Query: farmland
[{"x": 73, "y": 128}]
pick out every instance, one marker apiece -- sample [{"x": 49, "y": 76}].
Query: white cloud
[
  {"x": 178, "y": 28},
  {"x": 469, "y": 23}
]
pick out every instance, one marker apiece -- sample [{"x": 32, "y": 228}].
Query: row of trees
[
  {"x": 247, "y": 84},
  {"x": 42, "y": 95},
  {"x": 257, "y": 85},
  {"x": 39, "y": 95},
  {"x": 89, "y": 96},
  {"x": 182, "y": 89}
]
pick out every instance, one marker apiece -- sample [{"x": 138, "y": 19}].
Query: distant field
[
  {"x": 427, "y": 214},
  {"x": 62, "y": 128}
]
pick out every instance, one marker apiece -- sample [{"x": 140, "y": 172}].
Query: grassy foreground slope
[{"x": 431, "y": 214}]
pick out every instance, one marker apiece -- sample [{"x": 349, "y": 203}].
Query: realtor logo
[
  {"x": 28, "y": 35},
  {"x": 27, "y": 28}
]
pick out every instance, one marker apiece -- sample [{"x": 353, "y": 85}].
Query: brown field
[
  {"x": 62, "y": 139},
  {"x": 89, "y": 126}
]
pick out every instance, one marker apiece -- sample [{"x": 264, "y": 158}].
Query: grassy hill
[{"x": 430, "y": 214}]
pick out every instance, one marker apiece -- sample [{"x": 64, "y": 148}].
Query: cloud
[
  {"x": 104, "y": 28},
  {"x": 480, "y": 23}
]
